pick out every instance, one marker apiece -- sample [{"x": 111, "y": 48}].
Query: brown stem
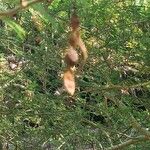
[{"x": 128, "y": 143}]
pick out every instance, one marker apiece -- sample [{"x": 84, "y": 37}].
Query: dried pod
[
  {"x": 69, "y": 81},
  {"x": 71, "y": 57},
  {"x": 74, "y": 38},
  {"x": 75, "y": 22},
  {"x": 83, "y": 49}
]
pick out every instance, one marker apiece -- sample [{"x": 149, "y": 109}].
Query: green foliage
[
  {"x": 113, "y": 86},
  {"x": 17, "y": 28}
]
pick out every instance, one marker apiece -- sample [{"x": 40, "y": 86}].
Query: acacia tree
[{"x": 109, "y": 107}]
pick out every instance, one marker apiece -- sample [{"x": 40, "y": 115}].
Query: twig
[
  {"x": 126, "y": 86},
  {"x": 112, "y": 86},
  {"x": 139, "y": 128},
  {"x": 135, "y": 124},
  {"x": 127, "y": 143}
]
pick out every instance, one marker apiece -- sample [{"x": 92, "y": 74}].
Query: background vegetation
[{"x": 111, "y": 106}]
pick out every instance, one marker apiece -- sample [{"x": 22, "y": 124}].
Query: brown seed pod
[
  {"x": 71, "y": 57},
  {"x": 69, "y": 81},
  {"x": 83, "y": 49},
  {"x": 74, "y": 22},
  {"x": 74, "y": 38}
]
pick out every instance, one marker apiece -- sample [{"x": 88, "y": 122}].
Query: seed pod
[
  {"x": 69, "y": 81},
  {"x": 71, "y": 57},
  {"x": 74, "y": 38},
  {"x": 83, "y": 49},
  {"x": 74, "y": 22}
]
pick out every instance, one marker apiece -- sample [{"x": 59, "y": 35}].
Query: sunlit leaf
[{"x": 16, "y": 27}]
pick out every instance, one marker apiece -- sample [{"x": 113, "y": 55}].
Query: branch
[
  {"x": 13, "y": 11},
  {"x": 127, "y": 87},
  {"x": 145, "y": 133},
  {"x": 128, "y": 143},
  {"x": 135, "y": 124},
  {"x": 117, "y": 87}
]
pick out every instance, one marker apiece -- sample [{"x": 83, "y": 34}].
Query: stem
[{"x": 128, "y": 143}]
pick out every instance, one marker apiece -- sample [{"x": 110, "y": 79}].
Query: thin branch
[
  {"x": 117, "y": 87},
  {"x": 13, "y": 11},
  {"x": 135, "y": 123},
  {"x": 145, "y": 134},
  {"x": 139, "y": 128},
  {"x": 108, "y": 136},
  {"x": 128, "y": 143},
  {"x": 124, "y": 87}
]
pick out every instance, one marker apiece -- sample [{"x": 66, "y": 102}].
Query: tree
[{"x": 110, "y": 107}]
